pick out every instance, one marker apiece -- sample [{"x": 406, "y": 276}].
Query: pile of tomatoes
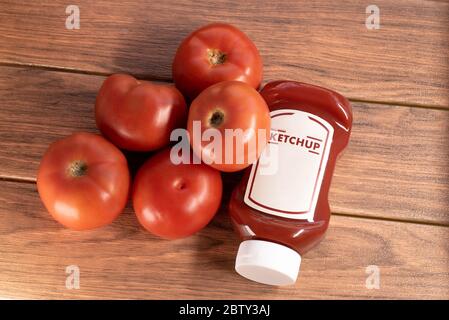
[{"x": 84, "y": 180}]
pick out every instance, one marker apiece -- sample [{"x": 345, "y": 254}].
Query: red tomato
[
  {"x": 83, "y": 181},
  {"x": 229, "y": 105},
  {"x": 175, "y": 201},
  {"x": 138, "y": 115},
  {"x": 215, "y": 53}
]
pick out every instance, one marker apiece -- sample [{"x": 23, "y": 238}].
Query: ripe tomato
[
  {"x": 215, "y": 53},
  {"x": 138, "y": 115},
  {"x": 175, "y": 201},
  {"x": 83, "y": 181},
  {"x": 229, "y": 106}
]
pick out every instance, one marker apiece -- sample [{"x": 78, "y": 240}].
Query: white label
[{"x": 287, "y": 178}]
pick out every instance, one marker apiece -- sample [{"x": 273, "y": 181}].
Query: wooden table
[{"x": 390, "y": 192}]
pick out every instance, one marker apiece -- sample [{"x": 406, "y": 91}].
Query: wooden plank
[
  {"x": 124, "y": 261},
  {"x": 404, "y": 62},
  {"x": 396, "y": 167}
]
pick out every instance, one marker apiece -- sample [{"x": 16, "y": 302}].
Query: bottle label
[{"x": 286, "y": 180}]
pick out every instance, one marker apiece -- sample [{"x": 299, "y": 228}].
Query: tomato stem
[
  {"x": 216, "y": 56},
  {"x": 216, "y": 119},
  {"x": 77, "y": 168},
  {"x": 180, "y": 184}
]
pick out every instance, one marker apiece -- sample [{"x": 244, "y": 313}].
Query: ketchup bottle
[{"x": 280, "y": 209}]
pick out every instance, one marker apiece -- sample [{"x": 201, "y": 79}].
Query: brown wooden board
[
  {"x": 325, "y": 42},
  {"x": 390, "y": 192},
  {"x": 124, "y": 261},
  {"x": 396, "y": 166}
]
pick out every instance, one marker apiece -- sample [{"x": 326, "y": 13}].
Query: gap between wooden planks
[
  {"x": 405, "y": 61},
  {"x": 124, "y": 261},
  {"x": 396, "y": 166}
]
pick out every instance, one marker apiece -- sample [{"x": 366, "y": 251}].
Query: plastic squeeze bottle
[{"x": 280, "y": 209}]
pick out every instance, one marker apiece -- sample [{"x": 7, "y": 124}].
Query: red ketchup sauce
[{"x": 280, "y": 209}]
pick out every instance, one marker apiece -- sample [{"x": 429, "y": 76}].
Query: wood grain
[
  {"x": 404, "y": 62},
  {"x": 124, "y": 261},
  {"x": 396, "y": 166},
  {"x": 390, "y": 192}
]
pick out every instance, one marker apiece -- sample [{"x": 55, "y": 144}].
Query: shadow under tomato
[{"x": 217, "y": 245}]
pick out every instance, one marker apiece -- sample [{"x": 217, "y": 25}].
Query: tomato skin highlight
[
  {"x": 86, "y": 196},
  {"x": 138, "y": 115},
  {"x": 175, "y": 201},
  {"x": 214, "y": 53},
  {"x": 241, "y": 107}
]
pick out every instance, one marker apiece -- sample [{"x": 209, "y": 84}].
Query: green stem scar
[
  {"x": 77, "y": 168},
  {"x": 216, "y": 56},
  {"x": 216, "y": 119}
]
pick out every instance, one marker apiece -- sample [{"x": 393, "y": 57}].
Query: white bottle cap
[{"x": 267, "y": 262}]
